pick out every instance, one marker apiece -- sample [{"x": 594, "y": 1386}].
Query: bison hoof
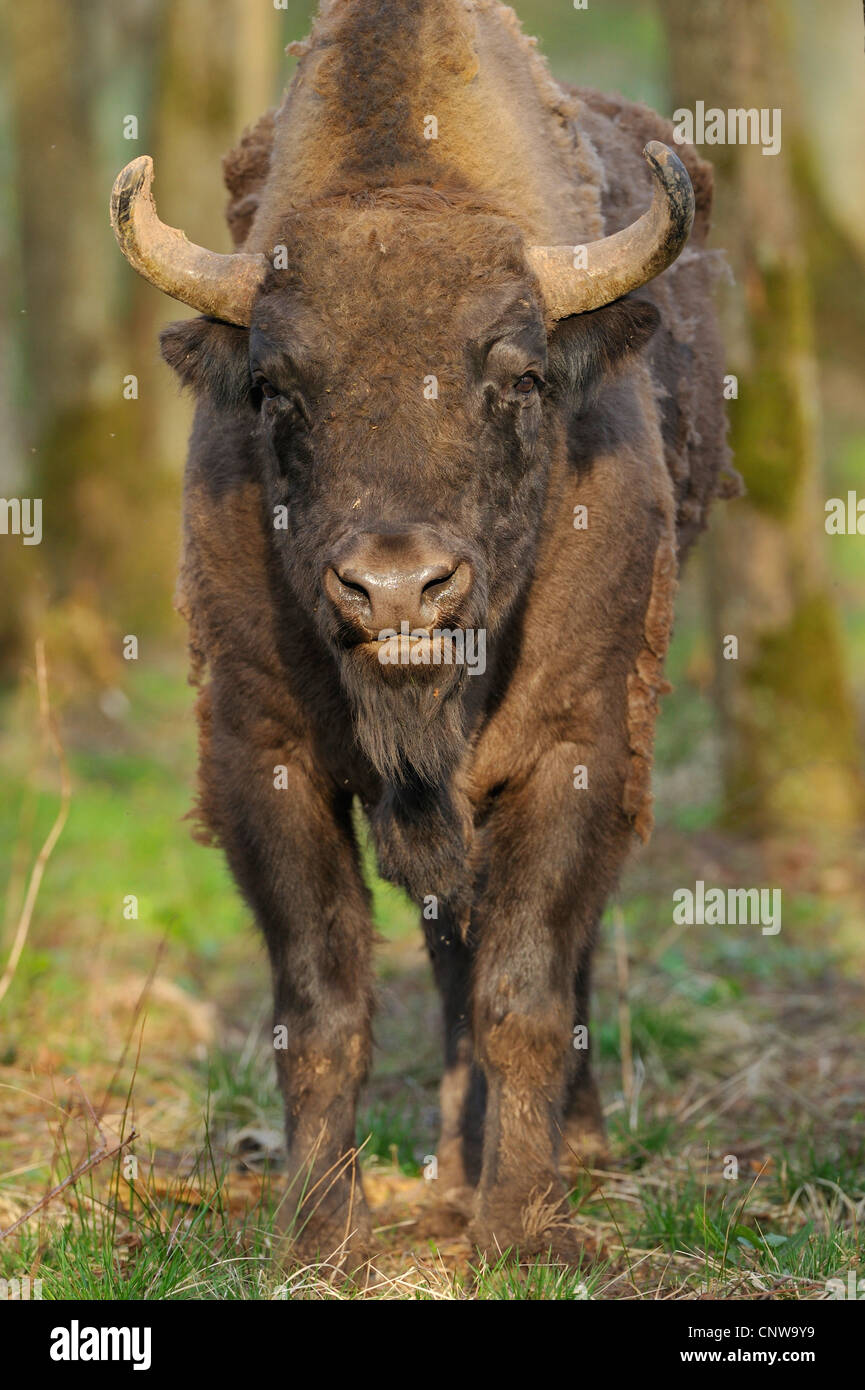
[
  {"x": 560, "y": 1248},
  {"x": 325, "y": 1256},
  {"x": 335, "y": 1245},
  {"x": 535, "y": 1227},
  {"x": 446, "y": 1214}
]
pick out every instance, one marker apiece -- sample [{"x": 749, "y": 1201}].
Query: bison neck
[{"x": 436, "y": 91}]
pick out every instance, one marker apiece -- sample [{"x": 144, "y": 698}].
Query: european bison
[{"x": 450, "y": 386}]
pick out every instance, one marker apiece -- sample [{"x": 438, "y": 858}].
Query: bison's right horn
[
  {"x": 222, "y": 286},
  {"x": 626, "y": 259}
]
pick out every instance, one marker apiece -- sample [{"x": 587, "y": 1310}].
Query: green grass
[
  {"x": 390, "y": 1132},
  {"x": 111, "y": 1250}
]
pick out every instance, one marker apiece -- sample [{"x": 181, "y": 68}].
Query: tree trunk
[
  {"x": 102, "y": 453},
  {"x": 791, "y": 750}
]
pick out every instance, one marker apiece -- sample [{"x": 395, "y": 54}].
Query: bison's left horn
[
  {"x": 627, "y": 259},
  {"x": 222, "y": 286}
]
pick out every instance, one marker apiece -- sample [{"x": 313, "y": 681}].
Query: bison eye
[
  {"x": 526, "y": 384},
  {"x": 269, "y": 392}
]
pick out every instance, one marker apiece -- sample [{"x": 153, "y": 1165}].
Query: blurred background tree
[
  {"x": 87, "y": 88},
  {"x": 789, "y": 727}
]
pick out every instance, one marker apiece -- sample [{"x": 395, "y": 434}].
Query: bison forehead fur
[{"x": 403, "y": 428}]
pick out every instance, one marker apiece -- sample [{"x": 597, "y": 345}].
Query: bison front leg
[
  {"x": 552, "y": 854},
  {"x": 287, "y": 834}
]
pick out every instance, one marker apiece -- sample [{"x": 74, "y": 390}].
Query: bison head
[{"x": 407, "y": 366}]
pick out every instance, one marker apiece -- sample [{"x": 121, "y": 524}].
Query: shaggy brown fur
[
  {"x": 405, "y": 261},
  {"x": 245, "y": 171}
]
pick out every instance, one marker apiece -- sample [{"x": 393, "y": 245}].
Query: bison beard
[{"x": 410, "y": 722}]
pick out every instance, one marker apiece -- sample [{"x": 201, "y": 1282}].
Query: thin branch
[
  {"x": 83, "y": 1167},
  {"x": 55, "y": 831}
]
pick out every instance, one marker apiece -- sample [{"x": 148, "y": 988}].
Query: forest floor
[{"x": 140, "y": 1142}]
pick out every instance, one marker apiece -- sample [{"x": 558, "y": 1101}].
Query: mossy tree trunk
[
  {"x": 791, "y": 751},
  {"x": 105, "y": 455},
  {"x": 75, "y": 72}
]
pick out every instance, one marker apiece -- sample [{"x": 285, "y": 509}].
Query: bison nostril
[
  {"x": 349, "y": 595},
  {"x": 353, "y": 587},
  {"x": 433, "y": 586},
  {"x": 448, "y": 584}
]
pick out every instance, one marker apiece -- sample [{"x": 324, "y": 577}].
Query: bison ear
[
  {"x": 583, "y": 348},
  {"x": 210, "y": 356}
]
